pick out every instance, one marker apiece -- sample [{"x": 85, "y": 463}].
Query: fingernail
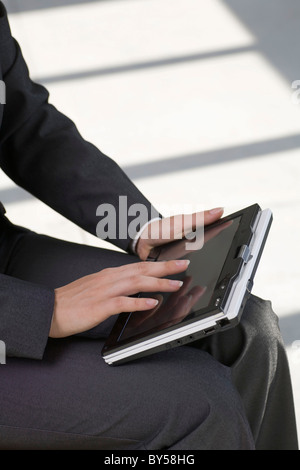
[
  {"x": 175, "y": 283},
  {"x": 183, "y": 262},
  {"x": 152, "y": 302},
  {"x": 216, "y": 211}
]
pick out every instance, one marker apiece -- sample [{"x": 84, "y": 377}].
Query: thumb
[
  {"x": 200, "y": 219},
  {"x": 213, "y": 215}
]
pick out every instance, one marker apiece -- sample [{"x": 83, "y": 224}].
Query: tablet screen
[{"x": 199, "y": 282}]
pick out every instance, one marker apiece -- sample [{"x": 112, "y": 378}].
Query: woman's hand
[
  {"x": 175, "y": 226},
  {"x": 174, "y": 309},
  {"x": 88, "y": 301}
]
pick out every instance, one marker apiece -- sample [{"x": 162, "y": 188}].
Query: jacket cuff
[
  {"x": 25, "y": 317},
  {"x": 134, "y": 242}
]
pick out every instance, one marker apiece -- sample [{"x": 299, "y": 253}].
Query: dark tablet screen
[{"x": 199, "y": 282}]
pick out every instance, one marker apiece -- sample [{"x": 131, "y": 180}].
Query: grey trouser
[{"x": 229, "y": 391}]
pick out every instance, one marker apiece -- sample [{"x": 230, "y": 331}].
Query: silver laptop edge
[
  {"x": 231, "y": 309},
  {"x": 243, "y": 281}
]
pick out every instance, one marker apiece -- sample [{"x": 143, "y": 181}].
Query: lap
[
  {"x": 72, "y": 398},
  {"x": 75, "y": 392}
]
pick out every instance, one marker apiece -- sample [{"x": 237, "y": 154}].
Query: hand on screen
[
  {"x": 86, "y": 302},
  {"x": 180, "y": 248},
  {"x": 167, "y": 230},
  {"x": 175, "y": 308}
]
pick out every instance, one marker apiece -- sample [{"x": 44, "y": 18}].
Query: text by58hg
[{"x": 150, "y": 459}]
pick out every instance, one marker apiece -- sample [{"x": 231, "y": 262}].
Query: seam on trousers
[{"x": 19, "y": 437}]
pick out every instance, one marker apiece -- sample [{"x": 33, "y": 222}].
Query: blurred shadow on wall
[
  {"x": 213, "y": 157},
  {"x": 275, "y": 24},
  {"x": 276, "y": 27},
  {"x": 18, "y": 6},
  {"x": 290, "y": 328}
]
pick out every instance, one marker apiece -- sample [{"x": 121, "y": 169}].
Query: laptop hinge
[{"x": 245, "y": 253}]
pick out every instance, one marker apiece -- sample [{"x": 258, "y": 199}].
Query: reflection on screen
[{"x": 199, "y": 282}]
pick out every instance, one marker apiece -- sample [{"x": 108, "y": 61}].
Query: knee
[
  {"x": 197, "y": 406},
  {"x": 262, "y": 336},
  {"x": 261, "y": 321}
]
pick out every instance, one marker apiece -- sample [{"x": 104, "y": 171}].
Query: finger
[
  {"x": 121, "y": 304},
  {"x": 173, "y": 228},
  {"x": 173, "y": 316},
  {"x": 143, "y": 250},
  {"x": 187, "y": 281},
  {"x": 147, "y": 268},
  {"x": 199, "y": 239},
  {"x": 147, "y": 314},
  {"x": 194, "y": 224},
  {"x": 135, "y": 284},
  {"x": 175, "y": 296},
  {"x": 213, "y": 215},
  {"x": 181, "y": 225},
  {"x": 165, "y": 317}
]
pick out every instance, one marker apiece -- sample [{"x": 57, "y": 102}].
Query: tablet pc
[{"x": 216, "y": 287}]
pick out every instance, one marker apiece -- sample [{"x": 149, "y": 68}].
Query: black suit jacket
[{"x": 43, "y": 152}]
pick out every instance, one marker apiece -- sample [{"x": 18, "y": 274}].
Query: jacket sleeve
[
  {"x": 43, "y": 152},
  {"x": 25, "y": 317}
]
